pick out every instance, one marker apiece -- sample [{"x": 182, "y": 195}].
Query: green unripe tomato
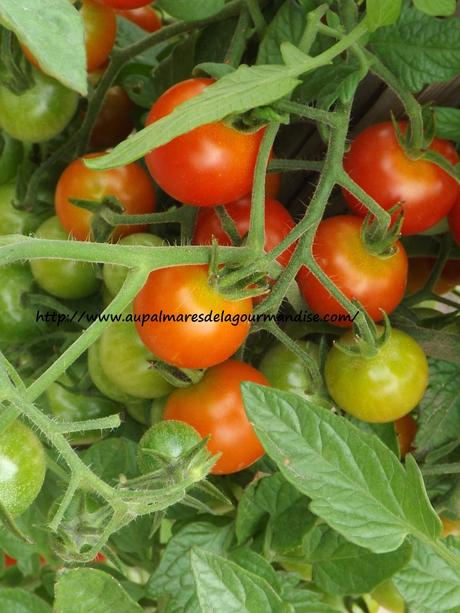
[
  {"x": 170, "y": 439},
  {"x": 145, "y": 411},
  {"x": 68, "y": 406},
  {"x": 66, "y": 279},
  {"x": 12, "y": 220},
  {"x": 114, "y": 276},
  {"x": 22, "y": 468},
  {"x": 382, "y": 388},
  {"x": 286, "y": 371},
  {"x": 102, "y": 382},
  {"x": 125, "y": 361},
  {"x": 40, "y": 113},
  {"x": 17, "y": 322},
  {"x": 11, "y": 152}
]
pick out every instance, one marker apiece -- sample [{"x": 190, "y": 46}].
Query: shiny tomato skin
[
  {"x": 145, "y": 17},
  {"x": 126, "y": 4},
  {"x": 406, "y": 429},
  {"x": 382, "y": 388},
  {"x": 185, "y": 290},
  {"x": 278, "y": 224},
  {"x": 377, "y": 282},
  {"x": 214, "y": 407},
  {"x": 376, "y": 162},
  {"x": 100, "y": 26},
  {"x": 212, "y": 164},
  {"x": 272, "y": 184},
  {"x": 130, "y": 184},
  {"x": 114, "y": 122},
  {"x": 454, "y": 222},
  {"x": 420, "y": 269}
]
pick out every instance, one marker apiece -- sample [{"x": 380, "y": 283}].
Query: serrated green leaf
[
  {"x": 291, "y": 54},
  {"x": 436, "y": 8},
  {"x": 342, "y": 568},
  {"x": 255, "y": 564},
  {"x": 419, "y": 49},
  {"x": 447, "y": 122},
  {"x": 224, "y": 586},
  {"x": 381, "y": 13},
  {"x": 385, "y": 432},
  {"x": 428, "y": 581},
  {"x": 236, "y": 93},
  {"x": 97, "y": 592},
  {"x": 53, "y": 31},
  {"x": 16, "y": 600},
  {"x": 192, "y": 11},
  {"x": 320, "y": 452},
  {"x": 439, "y": 409},
  {"x": 111, "y": 457}
]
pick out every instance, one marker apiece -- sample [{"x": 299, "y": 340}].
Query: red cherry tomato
[
  {"x": 376, "y": 282},
  {"x": 190, "y": 343},
  {"x": 278, "y": 224},
  {"x": 420, "y": 269},
  {"x": 212, "y": 164},
  {"x": 214, "y": 407},
  {"x": 125, "y": 4},
  {"x": 114, "y": 122},
  {"x": 377, "y": 163},
  {"x": 454, "y": 222},
  {"x": 9, "y": 561},
  {"x": 145, "y": 17},
  {"x": 130, "y": 184},
  {"x": 406, "y": 429}
]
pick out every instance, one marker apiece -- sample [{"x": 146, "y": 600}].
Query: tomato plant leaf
[
  {"x": 97, "y": 591},
  {"x": 428, "y": 581},
  {"x": 301, "y": 598},
  {"x": 223, "y": 585},
  {"x": 381, "y": 13},
  {"x": 342, "y": 568},
  {"x": 438, "y": 344},
  {"x": 111, "y": 457},
  {"x": 53, "y": 31},
  {"x": 447, "y": 122},
  {"x": 16, "y": 600},
  {"x": 385, "y": 432},
  {"x": 419, "y": 49},
  {"x": 437, "y": 8},
  {"x": 439, "y": 409},
  {"x": 319, "y": 452},
  {"x": 256, "y": 564},
  {"x": 236, "y": 93},
  {"x": 192, "y": 11}
]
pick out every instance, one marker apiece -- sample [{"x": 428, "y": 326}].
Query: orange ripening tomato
[
  {"x": 406, "y": 429},
  {"x": 214, "y": 407},
  {"x": 420, "y": 269},
  {"x": 450, "y": 527},
  {"x": 377, "y": 163},
  {"x": 145, "y": 17},
  {"x": 378, "y": 283},
  {"x": 454, "y": 222},
  {"x": 278, "y": 224},
  {"x": 210, "y": 165},
  {"x": 196, "y": 339},
  {"x": 130, "y": 184}
]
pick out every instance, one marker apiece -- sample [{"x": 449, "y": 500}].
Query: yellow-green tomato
[
  {"x": 22, "y": 468},
  {"x": 382, "y": 388},
  {"x": 66, "y": 279},
  {"x": 114, "y": 276},
  {"x": 126, "y": 362}
]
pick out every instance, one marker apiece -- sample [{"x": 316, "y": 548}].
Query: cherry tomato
[
  {"x": 145, "y": 17},
  {"x": 114, "y": 276},
  {"x": 406, "y": 429},
  {"x": 17, "y": 321},
  {"x": 129, "y": 184},
  {"x": 168, "y": 439},
  {"x": 454, "y": 222},
  {"x": 377, "y": 282},
  {"x": 13, "y": 220},
  {"x": 214, "y": 407},
  {"x": 11, "y": 153},
  {"x": 184, "y": 292},
  {"x": 38, "y": 114},
  {"x": 9, "y": 561},
  {"x": 132, "y": 371},
  {"x": 68, "y": 279},
  {"x": 272, "y": 184},
  {"x": 212, "y": 164},
  {"x": 451, "y": 527},
  {"x": 420, "y": 269},
  {"x": 382, "y": 388},
  {"x": 377, "y": 163},
  {"x": 114, "y": 122},
  {"x": 285, "y": 371},
  {"x": 22, "y": 468},
  {"x": 278, "y": 224},
  {"x": 69, "y": 406},
  {"x": 126, "y": 4}
]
